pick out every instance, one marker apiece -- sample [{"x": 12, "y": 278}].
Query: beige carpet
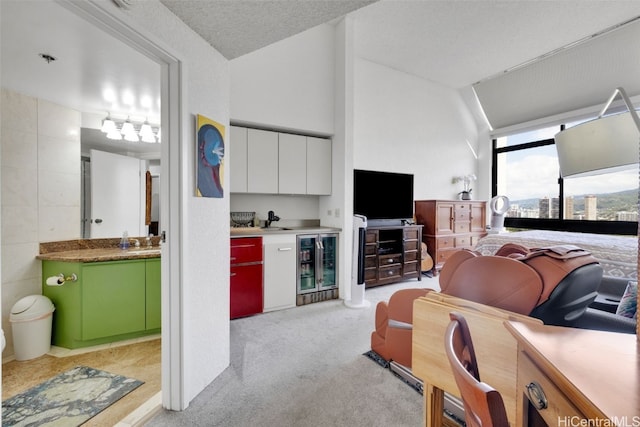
[{"x": 305, "y": 367}]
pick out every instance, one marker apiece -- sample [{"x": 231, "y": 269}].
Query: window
[{"x": 525, "y": 169}]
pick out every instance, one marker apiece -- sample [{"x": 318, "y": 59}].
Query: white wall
[
  {"x": 205, "y": 233},
  {"x": 288, "y": 208},
  {"x": 40, "y": 191},
  {"x": 287, "y": 85},
  {"x": 407, "y": 124}
]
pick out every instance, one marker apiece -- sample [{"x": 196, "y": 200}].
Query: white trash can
[{"x": 31, "y": 319}]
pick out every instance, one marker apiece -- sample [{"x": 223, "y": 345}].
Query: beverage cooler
[{"x": 317, "y": 268}]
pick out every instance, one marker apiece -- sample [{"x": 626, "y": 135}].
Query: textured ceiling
[
  {"x": 238, "y": 27},
  {"x": 452, "y": 42}
]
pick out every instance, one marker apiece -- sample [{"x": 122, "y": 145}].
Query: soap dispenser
[{"x": 124, "y": 242}]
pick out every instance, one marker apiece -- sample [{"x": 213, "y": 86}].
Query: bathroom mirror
[{"x": 73, "y": 64}]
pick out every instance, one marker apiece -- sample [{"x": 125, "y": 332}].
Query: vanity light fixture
[{"x": 130, "y": 130}]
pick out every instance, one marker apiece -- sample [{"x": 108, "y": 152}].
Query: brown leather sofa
[{"x": 556, "y": 285}]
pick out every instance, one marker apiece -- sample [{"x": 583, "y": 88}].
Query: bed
[{"x": 618, "y": 255}]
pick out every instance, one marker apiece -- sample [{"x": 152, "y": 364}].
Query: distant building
[
  {"x": 590, "y": 208},
  {"x": 568, "y": 207},
  {"x": 627, "y": 216},
  {"x": 544, "y": 207},
  {"x": 554, "y": 209},
  {"x": 549, "y": 208}
]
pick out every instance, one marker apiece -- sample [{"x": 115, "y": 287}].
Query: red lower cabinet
[{"x": 246, "y": 295}]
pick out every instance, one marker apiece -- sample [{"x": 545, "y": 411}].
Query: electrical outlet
[
  {"x": 337, "y": 212},
  {"x": 329, "y": 212}
]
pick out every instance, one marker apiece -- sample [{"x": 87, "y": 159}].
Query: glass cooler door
[
  {"x": 307, "y": 253},
  {"x": 328, "y": 261}
]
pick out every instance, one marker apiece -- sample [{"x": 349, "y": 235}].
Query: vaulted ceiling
[{"x": 453, "y": 43}]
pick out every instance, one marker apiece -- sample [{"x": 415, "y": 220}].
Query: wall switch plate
[{"x": 337, "y": 212}]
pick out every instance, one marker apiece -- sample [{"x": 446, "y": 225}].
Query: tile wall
[{"x": 40, "y": 188}]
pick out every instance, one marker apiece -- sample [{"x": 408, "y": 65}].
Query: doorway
[{"x": 105, "y": 18}]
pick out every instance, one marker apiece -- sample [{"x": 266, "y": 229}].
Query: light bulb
[
  {"x": 114, "y": 134},
  {"x": 132, "y": 136},
  {"x": 145, "y": 130},
  {"x": 108, "y": 125},
  {"x": 127, "y": 128},
  {"x": 150, "y": 138}
]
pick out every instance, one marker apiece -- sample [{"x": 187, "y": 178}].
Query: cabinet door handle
[
  {"x": 284, "y": 249},
  {"x": 536, "y": 395},
  {"x": 243, "y": 246},
  {"x": 233, "y": 274}
]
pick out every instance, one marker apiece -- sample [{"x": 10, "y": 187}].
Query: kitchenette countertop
[
  {"x": 257, "y": 231},
  {"x": 97, "y": 250}
]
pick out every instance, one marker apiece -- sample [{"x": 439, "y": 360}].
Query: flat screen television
[{"x": 383, "y": 196}]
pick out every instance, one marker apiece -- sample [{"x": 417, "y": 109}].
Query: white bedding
[{"x": 618, "y": 255}]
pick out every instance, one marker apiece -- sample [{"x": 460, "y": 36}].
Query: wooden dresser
[
  {"x": 450, "y": 225},
  {"x": 392, "y": 254}
]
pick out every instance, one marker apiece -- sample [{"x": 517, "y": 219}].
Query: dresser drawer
[
  {"x": 389, "y": 259},
  {"x": 411, "y": 234},
  {"x": 462, "y": 214},
  {"x": 462, "y": 227},
  {"x": 443, "y": 255},
  {"x": 445, "y": 242},
  {"x": 410, "y": 256},
  {"x": 393, "y": 271},
  {"x": 411, "y": 245},
  {"x": 370, "y": 249},
  {"x": 463, "y": 242},
  {"x": 370, "y": 274},
  {"x": 370, "y": 262}
]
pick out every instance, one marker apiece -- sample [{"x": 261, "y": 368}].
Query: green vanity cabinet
[
  {"x": 154, "y": 318},
  {"x": 113, "y": 298},
  {"x": 110, "y": 301}
]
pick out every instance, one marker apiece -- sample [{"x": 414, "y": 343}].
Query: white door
[{"x": 116, "y": 205}]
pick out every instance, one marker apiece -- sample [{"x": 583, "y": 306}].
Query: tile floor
[{"x": 140, "y": 360}]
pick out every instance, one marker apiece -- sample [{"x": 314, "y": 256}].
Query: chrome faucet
[{"x": 272, "y": 217}]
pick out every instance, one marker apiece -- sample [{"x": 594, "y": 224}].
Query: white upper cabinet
[
  {"x": 318, "y": 166},
  {"x": 292, "y": 172},
  {"x": 269, "y": 162},
  {"x": 238, "y": 160},
  {"x": 262, "y": 161}
]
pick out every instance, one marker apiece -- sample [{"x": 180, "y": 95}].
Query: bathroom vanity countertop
[{"x": 101, "y": 254}]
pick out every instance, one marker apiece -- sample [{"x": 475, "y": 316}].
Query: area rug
[{"x": 68, "y": 399}]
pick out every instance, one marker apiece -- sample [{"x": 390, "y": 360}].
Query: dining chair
[{"x": 483, "y": 405}]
